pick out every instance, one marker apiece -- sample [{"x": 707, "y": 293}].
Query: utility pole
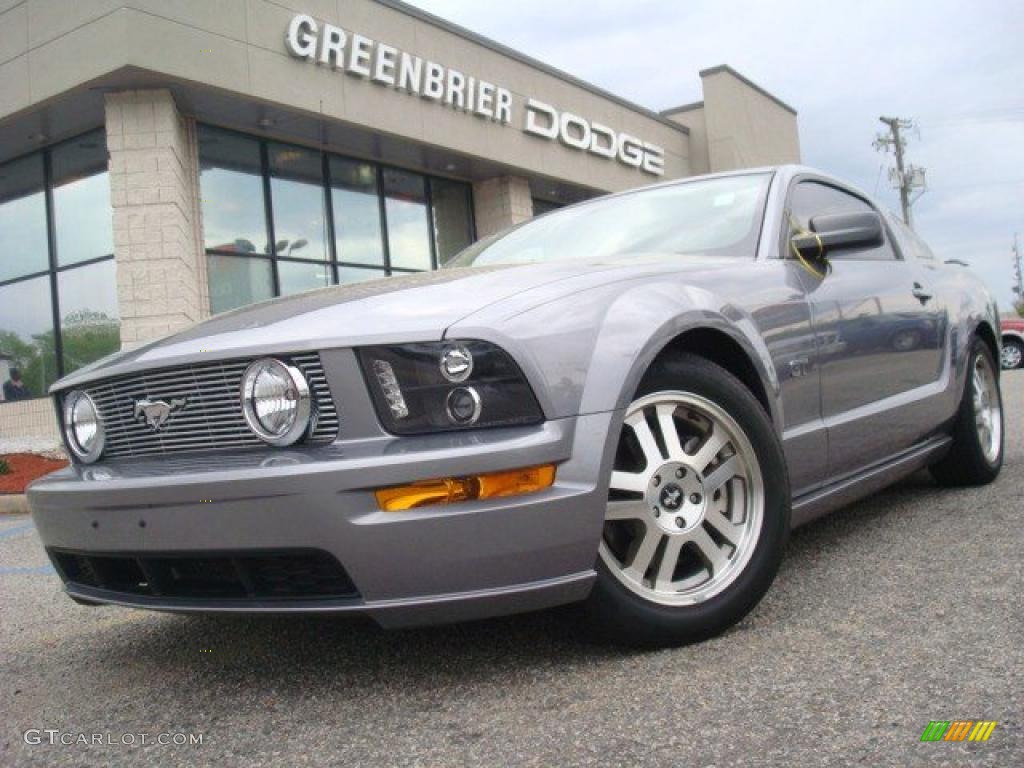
[
  {"x": 1019, "y": 287},
  {"x": 905, "y": 178}
]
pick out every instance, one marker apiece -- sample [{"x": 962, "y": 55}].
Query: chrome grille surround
[{"x": 212, "y": 418}]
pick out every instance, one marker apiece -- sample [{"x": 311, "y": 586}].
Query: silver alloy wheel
[
  {"x": 988, "y": 411},
  {"x": 685, "y": 502},
  {"x": 1011, "y": 356}
]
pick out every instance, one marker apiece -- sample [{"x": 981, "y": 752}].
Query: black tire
[
  {"x": 613, "y": 613},
  {"x": 1019, "y": 346},
  {"x": 966, "y": 463},
  {"x": 83, "y": 601}
]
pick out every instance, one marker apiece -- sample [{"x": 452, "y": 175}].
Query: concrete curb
[{"x": 13, "y": 504}]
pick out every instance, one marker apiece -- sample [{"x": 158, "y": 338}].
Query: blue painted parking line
[
  {"x": 28, "y": 569},
  {"x": 16, "y": 530}
]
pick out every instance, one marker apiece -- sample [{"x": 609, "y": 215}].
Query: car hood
[{"x": 408, "y": 308}]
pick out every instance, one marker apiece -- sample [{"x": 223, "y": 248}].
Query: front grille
[
  {"x": 211, "y": 418},
  {"x": 284, "y": 574}
]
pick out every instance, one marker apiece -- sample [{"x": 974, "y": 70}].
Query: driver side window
[{"x": 813, "y": 198}]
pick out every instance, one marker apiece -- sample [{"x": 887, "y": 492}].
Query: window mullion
[{"x": 51, "y": 242}]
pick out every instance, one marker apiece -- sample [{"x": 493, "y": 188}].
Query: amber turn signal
[{"x": 449, "y": 490}]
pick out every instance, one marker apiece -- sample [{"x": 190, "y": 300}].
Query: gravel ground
[{"x": 902, "y": 609}]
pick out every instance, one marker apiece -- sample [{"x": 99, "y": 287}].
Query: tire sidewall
[
  {"x": 648, "y": 623},
  {"x": 968, "y": 430}
]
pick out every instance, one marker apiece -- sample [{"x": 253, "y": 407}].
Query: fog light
[
  {"x": 450, "y": 490},
  {"x": 463, "y": 406}
]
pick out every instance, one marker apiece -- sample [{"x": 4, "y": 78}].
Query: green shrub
[{"x": 5, "y": 468}]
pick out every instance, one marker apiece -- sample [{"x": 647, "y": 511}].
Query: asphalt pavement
[{"x": 902, "y": 609}]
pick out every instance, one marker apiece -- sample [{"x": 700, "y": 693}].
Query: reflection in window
[
  {"x": 357, "y": 275},
  {"x": 408, "y": 222},
  {"x": 232, "y": 192},
  {"x": 89, "y": 324},
  {"x": 85, "y": 312},
  {"x": 236, "y": 281},
  {"x": 295, "y": 251},
  {"x": 26, "y": 334},
  {"x": 452, "y": 230},
  {"x": 81, "y": 199},
  {"x": 23, "y": 248},
  {"x": 297, "y": 194},
  {"x": 356, "y": 205},
  {"x": 300, "y": 276}
]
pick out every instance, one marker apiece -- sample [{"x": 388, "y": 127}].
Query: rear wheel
[
  {"x": 1013, "y": 354},
  {"x": 697, "y": 514},
  {"x": 977, "y": 452}
]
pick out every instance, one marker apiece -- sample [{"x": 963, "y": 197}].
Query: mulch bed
[{"x": 26, "y": 467}]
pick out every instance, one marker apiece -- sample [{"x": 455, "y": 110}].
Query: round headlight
[
  {"x": 83, "y": 427},
  {"x": 275, "y": 401},
  {"x": 456, "y": 363}
]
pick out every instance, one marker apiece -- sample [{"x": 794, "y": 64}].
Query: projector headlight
[
  {"x": 83, "y": 428},
  {"x": 275, "y": 401},
  {"x": 447, "y": 386}
]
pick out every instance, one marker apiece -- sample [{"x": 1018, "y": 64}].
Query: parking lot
[{"x": 902, "y": 609}]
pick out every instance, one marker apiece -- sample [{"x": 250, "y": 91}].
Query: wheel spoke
[
  {"x": 727, "y": 470},
  {"x": 710, "y": 552},
  {"x": 668, "y": 563},
  {"x": 625, "y": 510},
  {"x": 729, "y": 530},
  {"x": 668, "y": 431},
  {"x": 712, "y": 447},
  {"x": 643, "y": 555},
  {"x": 629, "y": 481},
  {"x": 652, "y": 455}
]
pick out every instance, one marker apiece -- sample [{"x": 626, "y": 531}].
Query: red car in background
[{"x": 1013, "y": 342}]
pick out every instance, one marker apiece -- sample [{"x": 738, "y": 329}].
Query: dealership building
[{"x": 164, "y": 161}]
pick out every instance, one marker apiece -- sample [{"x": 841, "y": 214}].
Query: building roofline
[
  {"x": 682, "y": 108},
  {"x": 747, "y": 81},
  {"x": 504, "y": 50}
]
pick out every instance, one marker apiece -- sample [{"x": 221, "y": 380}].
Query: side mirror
[{"x": 840, "y": 231}]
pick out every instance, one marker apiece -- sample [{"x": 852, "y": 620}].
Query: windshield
[{"x": 709, "y": 216}]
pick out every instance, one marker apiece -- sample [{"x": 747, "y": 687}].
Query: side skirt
[{"x": 849, "y": 489}]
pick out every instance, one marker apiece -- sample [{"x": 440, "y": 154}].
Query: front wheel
[
  {"x": 697, "y": 514},
  {"x": 976, "y": 455}
]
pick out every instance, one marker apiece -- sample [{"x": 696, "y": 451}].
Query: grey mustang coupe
[{"x": 625, "y": 404}]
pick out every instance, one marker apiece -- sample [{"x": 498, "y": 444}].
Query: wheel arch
[
  {"x": 722, "y": 349},
  {"x": 986, "y": 333}
]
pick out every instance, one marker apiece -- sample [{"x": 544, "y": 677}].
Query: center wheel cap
[{"x": 675, "y": 498}]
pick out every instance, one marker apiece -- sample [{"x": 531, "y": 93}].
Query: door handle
[{"x": 921, "y": 294}]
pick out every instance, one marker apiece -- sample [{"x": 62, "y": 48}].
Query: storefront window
[
  {"x": 299, "y": 276},
  {"x": 297, "y": 193},
  {"x": 453, "y": 222},
  {"x": 332, "y": 219},
  {"x": 89, "y": 325},
  {"x": 41, "y": 338},
  {"x": 230, "y": 175},
  {"x": 23, "y": 248},
  {"x": 408, "y": 220},
  {"x": 81, "y": 200},
  {"x": 236, "y": 281},
  {"x": 356, "y": 205}
]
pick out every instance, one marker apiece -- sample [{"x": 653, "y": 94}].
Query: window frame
[
  {"x": 386, "y": 269},
  {"x": 890, "y": 239},
  {"x": 54, "y": 268}
]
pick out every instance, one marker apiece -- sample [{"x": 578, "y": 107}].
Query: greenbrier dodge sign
[{"x": 360, "y": 56}]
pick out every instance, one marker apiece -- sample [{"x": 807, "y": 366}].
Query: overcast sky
[{"x": 957, "y": 68}]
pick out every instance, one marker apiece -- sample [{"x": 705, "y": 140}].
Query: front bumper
[{"x": 437, "y": 564}]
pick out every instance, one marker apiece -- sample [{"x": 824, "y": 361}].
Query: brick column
[
  {"x": 154, "y": 191},
  {"x": 501, "y": 202}
]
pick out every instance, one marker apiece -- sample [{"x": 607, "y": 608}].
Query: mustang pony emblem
[{"x": 157, "y": 412}]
